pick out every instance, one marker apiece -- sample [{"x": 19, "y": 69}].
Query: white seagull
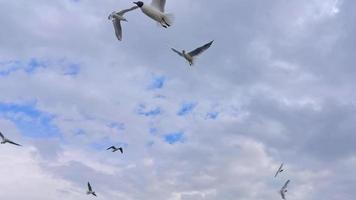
[
  {"x": 5, "y": 140},
  {"x": 90, "y": 190},
  {"x": 114, "y": 149},
  {"x": 284, "y": 190},
  {"x": 280, "y": 169},
  {"x": 156, "y": 12},
  {"x": 191, "y": 55},
  {"x": 116, "y": 18}
]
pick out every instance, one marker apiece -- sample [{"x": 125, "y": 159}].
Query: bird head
[
  {"x": 183, "y": 51},
  {"x": 139, "y": 3}
]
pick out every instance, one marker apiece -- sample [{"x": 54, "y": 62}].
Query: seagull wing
[
  {"x": 89, "y": 187},
  {"x": 2, "y": 136},
  {"x": 282, "y": 194},
  {"x": 112, "y": 147},
  {"x": 159, "y": 4},
  {"x": 285, "y": 185},
  {"x": 200, "y": 50},
  {"x": 121, "y": 150},
  {"x": 11, "y": 142},
  {"x": 117, "y": 27},
  {"x": 122, "y": 12},
  {"x": 179, "y": 53}
]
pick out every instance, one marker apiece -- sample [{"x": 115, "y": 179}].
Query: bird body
[
  {"x": 116, "y": 18},
  {"x": 280, "y": 169},
  {"x": 4, "y": 140},
  {"x": 190, "y": 57},
  {"x": 284, "y": 190},
  {"x": 156, "y": 12},
  {"x": 90, "y": 190},
  {"x": 114, "y": 149}
]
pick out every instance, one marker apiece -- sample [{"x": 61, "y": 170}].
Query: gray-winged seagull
[
  {"x": 90, "y": 190},
  {"x": 280, "y": 169},
  {"x": 191, "y": 55},
  {"x": 5, "y": 140},
  {"x": 156, "y": 12},
  {"x": 116, "y": 18},
  {"x": 284, "y": 190},
  {"x": 114, "y": 149}
]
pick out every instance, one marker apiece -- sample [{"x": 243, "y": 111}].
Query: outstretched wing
[
  {"x": 11, "y": 142},
  {"x": 121, "y": 150},
  {"x": 282, "y": 194},
  {"x": 2, "y": 136},
  {"x": 112, "y": 147},
  {"x": 117, "y": 27},
  {"x": 122, "y": 12},
  {"x": 159, "y": 4},
  {"x": 89, "y": 187},
  {"x": 285, "y": 185},
  {"x": 200, "y": 50},
  {"x": 179, "y": 53}
]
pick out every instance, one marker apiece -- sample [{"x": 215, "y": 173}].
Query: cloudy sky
[{"x": 277, "y": 85}]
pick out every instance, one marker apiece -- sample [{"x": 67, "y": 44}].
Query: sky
[{"x": 277, "y": 85}]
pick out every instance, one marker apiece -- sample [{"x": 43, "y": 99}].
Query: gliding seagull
[
  {"x": 280, "y": 169},
  {"x": 90, "y": 190},
  {"x": 191, "y": 55},
  {"x": 156, "y": 12},
  {"x": 114, "y": 149},
  {"x": 5, "y": 140},
  {"x": 116, "y": 18},
  {"x": 284, "y": 190}
]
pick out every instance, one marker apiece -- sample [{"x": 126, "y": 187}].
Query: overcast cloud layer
[{"x": 277, "y": 85}]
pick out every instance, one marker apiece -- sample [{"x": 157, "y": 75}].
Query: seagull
[
  {"x": 5, "y": 140},
  {"x": 284, "y": 190},
  {"x": 191, "y": 55},
  {"x": 90, "y": 190},
  {"x": 116, "y": 18},
  {"x": 280, "y": 169},
  {"x": 114, "y": 149},
  {"x": 156, "y": 12}
]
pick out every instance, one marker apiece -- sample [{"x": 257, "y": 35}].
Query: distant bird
[
  {"x": 156, "y": 12},
  {"x": 114, "y": 149},
  {"x": 90, "y": 190},
  {"x": 191, "y": 55},
  {"x": 284, "y": 190},
  {"x": 116, "y": 18},
  {"x": 280, "y": 169},
  {"x": 5, "y": 140}
]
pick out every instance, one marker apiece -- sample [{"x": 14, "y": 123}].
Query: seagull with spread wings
[
  {"x": 284, "y": 190},
  {"x": 156, "y": 12},
  {"x": 4, "y": 140},
  {"x": 280, "y": 169},
  {"x": 116, "y": 18},
  {"x": 90, "y": 190},
  {"x": 191, "y": 55},
  {"x": 114, "y": 149}
]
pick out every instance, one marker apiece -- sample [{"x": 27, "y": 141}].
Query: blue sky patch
[
  {"x": 142, "y": 110},
  {"x": 157, "y": 82},
  {"x": 186, "y": 108},
  {"x": 174, "y": 138},
  {"x": 29, "y": 120}
]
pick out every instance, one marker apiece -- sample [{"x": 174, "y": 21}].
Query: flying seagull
[
  {"x": 156, "y": 12},
  {"x": 116, "y": 18},
  {"x": 280, "y": 169},
  {"x": 90, "y": 190},
  {"x": 114, "y": 149},
  {"x": 191, "y": 55},
  {"x": 284, "y": 190},
  {"x": 5, "y": 140}
]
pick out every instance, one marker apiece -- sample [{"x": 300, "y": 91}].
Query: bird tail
[{"x": 169, "y": 18}]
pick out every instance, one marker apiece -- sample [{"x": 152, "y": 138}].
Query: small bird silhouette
[
  {"x": 5, "y": 140},
  {"x": 284, "y": 190},
  {"x": 90, "y": 190},
  {"x": 191, "y": 55},
  {"x": 280, "y": 169},
  {"x": 114, "y": 149}
]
